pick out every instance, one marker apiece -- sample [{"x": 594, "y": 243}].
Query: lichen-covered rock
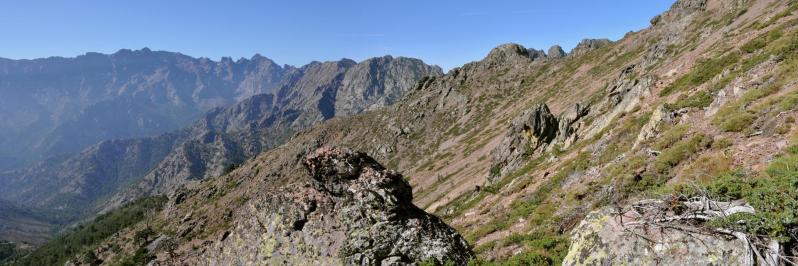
[
  {"x": 664, "y": 232},
  {"x": 353, "y": 212}
]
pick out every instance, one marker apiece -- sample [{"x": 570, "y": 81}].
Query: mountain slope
[{"x": 26, "y": 227}]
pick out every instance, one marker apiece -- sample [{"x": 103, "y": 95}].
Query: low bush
[
  {"x": 774, "y": 195},
  {"x": 672, "y": 156},
  {"x": 670, "y": 137},
  {"x": 700, "y": 99},
  {"x": 701, "y": 72}
]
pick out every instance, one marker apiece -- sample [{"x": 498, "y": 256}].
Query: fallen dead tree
[{"x": 652, "y": 219}]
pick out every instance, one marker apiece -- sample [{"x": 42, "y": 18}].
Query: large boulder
[{"x": 352, "y": 211}]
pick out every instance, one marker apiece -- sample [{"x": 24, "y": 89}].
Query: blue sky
[{"x": 443, "y": 32}]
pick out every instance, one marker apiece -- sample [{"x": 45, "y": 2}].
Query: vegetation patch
[
  {"x": 735, "y": 116},
  {"x": 7, "y": 249},
  {"x": 671, "y": 157},
  {"x": 707, "y": 166},
  {"x": 700, "y": 99},
  {"x": 83, "y": 239},
  {"x": 703, "y": 71},
  {"x": 774, "y": 195}
]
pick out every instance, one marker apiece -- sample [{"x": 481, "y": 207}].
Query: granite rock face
[
  {"x": 352, "y": 212},
  {"x": 556, "y": 52},
  {"x": 378, "y": 82},
  {"x": 533, "y": 129},
  {"x": 533, "y": 132}
]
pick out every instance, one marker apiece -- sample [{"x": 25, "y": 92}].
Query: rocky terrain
[{"x": 673, "y": 145}]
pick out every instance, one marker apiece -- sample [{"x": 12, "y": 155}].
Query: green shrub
[
  {"x": 7, "y": 250},
  {"x": 140, "y": 257},
  {"x": 670, "y": 137},
  {"x": 700, "y": 99},
  {"x": 788, "y": 103},
  {"x": 529, "y": 258},
  {"x": 734, "y": 116},
  {"x": 672, "y": 156},
  {"x": 702, "y": 71},
  {"x": 722, "y": 143},
  {"x": 774, "y": 195},
  {"x": 754, "y": 45},
  {"x": 737, "y": 121},
  {"x": 707, "y": 166}
]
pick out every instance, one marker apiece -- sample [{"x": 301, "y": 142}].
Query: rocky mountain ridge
[{"x": 59, "y": 105}]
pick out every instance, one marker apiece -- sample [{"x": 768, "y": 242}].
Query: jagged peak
[
  {"x": 691, "y": 5},
  {"x": 556, "y": 51},
  {"x": 508, "y": 49},
  {"x": 535, "y": 54},
  {"x": 587, "y": 45}
]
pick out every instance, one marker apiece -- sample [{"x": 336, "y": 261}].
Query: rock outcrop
[
  {"x": 378, "y": 82},
  {"x": 532, "y": 132},
  {"x": 507, "y": 54},
  {"x": 588, "y": 45},
  {"x": 353, "y": 212},
  {"x": 624, "y": 94},
  {"x": 555, "y": 52}
]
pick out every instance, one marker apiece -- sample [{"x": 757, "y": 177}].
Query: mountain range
[{"x": 117, "y": 170}]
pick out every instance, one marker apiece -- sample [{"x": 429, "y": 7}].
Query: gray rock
[
  {"x": 535, "y": 54},
  {"x": 355, "y": 212},
  {"x": 507, "y": 54},
  {"x": 588, "y": 45},
  {"x": 528, "y": 133},
  {"x": 555, "y": 52},
  {"x": 533, "y": 132}
]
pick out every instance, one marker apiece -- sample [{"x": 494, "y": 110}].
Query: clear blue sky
[{"x": 447, "y": 33}]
